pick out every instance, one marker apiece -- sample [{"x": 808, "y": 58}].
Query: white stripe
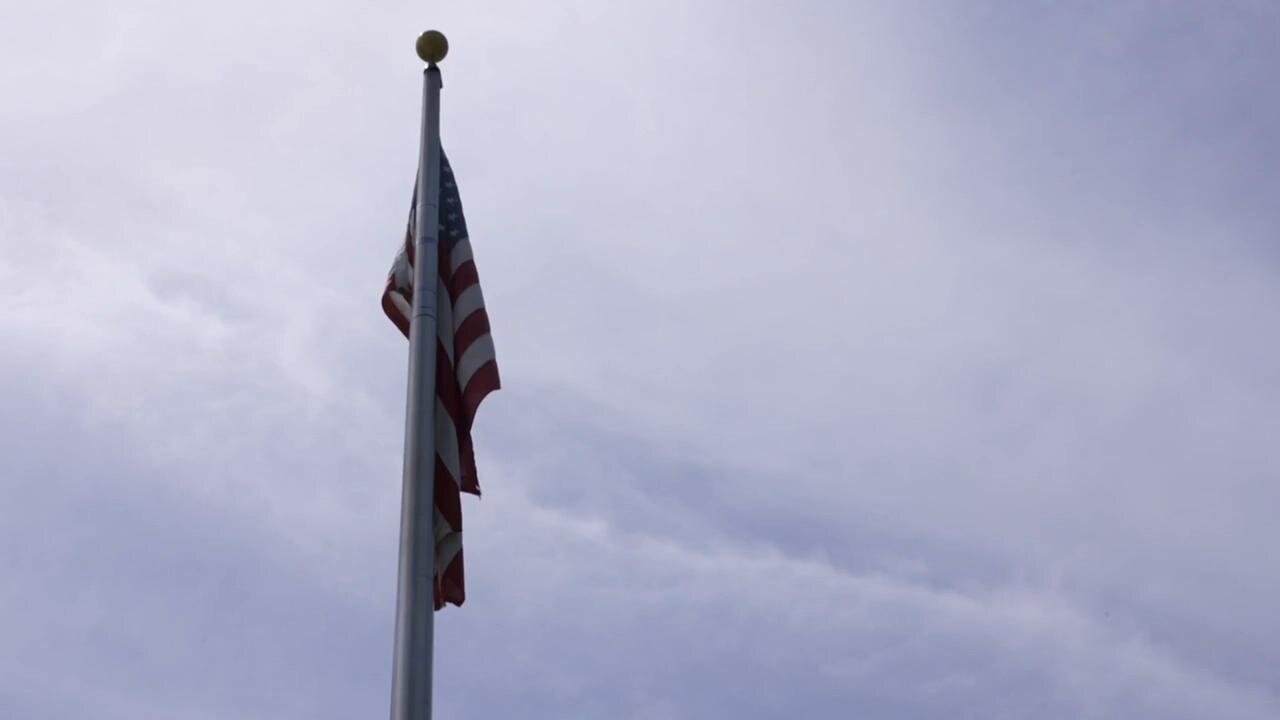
[
  {"x": 402, "y": 305},
  {"x": 446, "y": 550},
  {"x": 447, "y": 442},
  {"x": 441, "y": 526},
  {"x": 480, "y": 352},
  {"x": 468, "y": 302},
  {"x": 444, "y": 319},
  {"x": 401, "y": 272},
  {"x": 461, "y": 253}
]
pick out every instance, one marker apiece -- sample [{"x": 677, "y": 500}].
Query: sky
[{"x": 861, "y": 360}]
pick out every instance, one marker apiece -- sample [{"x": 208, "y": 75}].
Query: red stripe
[
  {"x": 447, "y": 499},
  {"x": 451, "y": 399},
  {"x": 393, "y": 312},
  {"x": 464, "y": 277},
  {"x": 467, "y": 459},
  {"x": 447, "y": 389},
  {"x": 473, "y": 328},
  {"x": 450, "y": 585},
  {"x": 484, "y": 381},
  {"x": 408, "y": 231}
]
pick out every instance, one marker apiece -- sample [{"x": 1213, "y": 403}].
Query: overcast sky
[{"x": 861, "y": 360}]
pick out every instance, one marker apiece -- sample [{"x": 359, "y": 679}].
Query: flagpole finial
[{"x": 432, "y": 46}]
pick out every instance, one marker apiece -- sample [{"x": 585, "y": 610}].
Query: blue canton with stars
[{"x": 453, "y": 226}]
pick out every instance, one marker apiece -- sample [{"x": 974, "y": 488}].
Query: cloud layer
[{"x": 893, "y": 362}]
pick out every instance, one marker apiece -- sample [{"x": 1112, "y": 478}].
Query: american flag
[{"x": 466, "y": 371}]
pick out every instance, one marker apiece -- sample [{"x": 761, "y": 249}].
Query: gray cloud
[{"x": 889, "y": 361}]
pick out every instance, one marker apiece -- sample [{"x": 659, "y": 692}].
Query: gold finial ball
[{"x": 432, "y": 46}]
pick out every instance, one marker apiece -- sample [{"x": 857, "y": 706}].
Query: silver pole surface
[{"x": 415, "y": 598}]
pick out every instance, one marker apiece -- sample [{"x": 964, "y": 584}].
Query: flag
[{"x": 466, "y": 371}]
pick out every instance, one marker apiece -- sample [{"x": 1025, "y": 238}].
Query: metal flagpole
[{"x": 415, "y": 597}]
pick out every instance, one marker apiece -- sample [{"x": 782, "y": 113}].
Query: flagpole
[{"x": 415, "y": 596}]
